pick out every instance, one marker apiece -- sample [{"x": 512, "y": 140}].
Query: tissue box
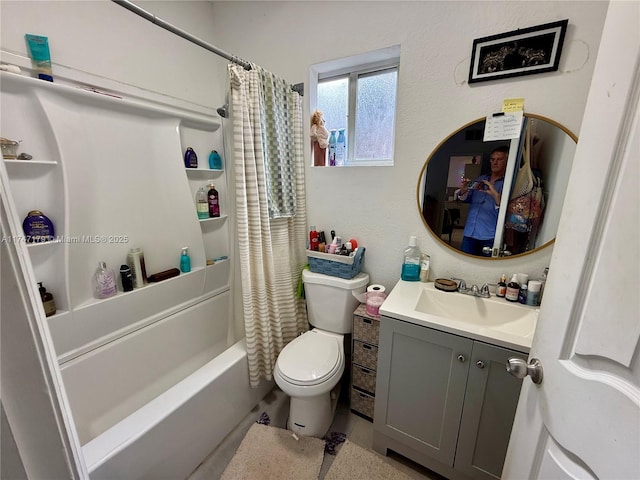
[{"x": 336, "y": 265}]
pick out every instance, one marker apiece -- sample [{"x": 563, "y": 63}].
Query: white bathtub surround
[{"x": 271, "y": 249}]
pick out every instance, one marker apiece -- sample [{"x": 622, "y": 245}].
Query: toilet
[{"x": 309, "y": 368}]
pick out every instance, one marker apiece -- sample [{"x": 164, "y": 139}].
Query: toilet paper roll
[{"x": 376, "y": 288}]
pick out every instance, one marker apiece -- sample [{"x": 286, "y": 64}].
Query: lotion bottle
[
  {"x": 185, "y": 261},
  {"x": 213, "y": 200},
  {"x": 202, "y": 205}
]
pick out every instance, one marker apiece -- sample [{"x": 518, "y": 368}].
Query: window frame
[{"x": 354, "y": 68}]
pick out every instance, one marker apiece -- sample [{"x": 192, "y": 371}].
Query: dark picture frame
[{"x": 521, "y": 52}]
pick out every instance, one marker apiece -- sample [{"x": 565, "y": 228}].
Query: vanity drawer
[
  {"x": 366, "y": 329},
  {"x": 365, "y": 354},
  {"x": 362, "y": 403},
  {"x": 363, "y": 378}
]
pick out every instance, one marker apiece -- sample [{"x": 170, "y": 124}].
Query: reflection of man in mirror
[{"x": 484, "y": 196}]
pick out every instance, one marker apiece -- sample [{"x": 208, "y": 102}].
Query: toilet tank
[{"x": 330, "y": 302}]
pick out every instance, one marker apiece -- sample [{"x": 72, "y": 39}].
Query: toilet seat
[{"x": 310, "y": 359}]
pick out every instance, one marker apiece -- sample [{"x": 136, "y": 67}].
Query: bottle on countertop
[
  {"x": 213, "y": 201},
  {"x": 190, "y": 158},
  {"x": 135, "y": 260},
  {"x": 47, "y": 301},
  {"x": 185, "y": 261},
  {"x": 425, "y": 260},
  {"x": 104, "y": 282},
  {"x": 513, "y": 289},
  {"x": 411, "y": 263},
  {"x": 215, "y": 160},
  {"x": 533, "y": 295},
  {"x": 501, "y": 291},
  {"x": 522, "y": 293},
  {"x": 202, "y": 205},
  {"x": 314, "y": 240}
]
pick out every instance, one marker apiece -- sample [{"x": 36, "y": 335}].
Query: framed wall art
[{"x": 521, "y": 52}]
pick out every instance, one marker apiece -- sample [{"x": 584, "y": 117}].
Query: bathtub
[{"x": 176, "y": 388}]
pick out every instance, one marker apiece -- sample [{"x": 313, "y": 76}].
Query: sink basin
[
  {"x": 480, "y": 311},
  {"x": 494, "y": 320}
]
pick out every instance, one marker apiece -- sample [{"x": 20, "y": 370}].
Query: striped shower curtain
[{"x": 270, "y": 211}]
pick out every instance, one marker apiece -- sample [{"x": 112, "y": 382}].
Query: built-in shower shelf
[
  {"x": 43, "y": 244},
  {"x": 203, "y": 171},
  {"x": 221, "y": 218},
  {"x": 28, "y": 163}
]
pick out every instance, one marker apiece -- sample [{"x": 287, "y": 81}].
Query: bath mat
[
  {"x": 355, "y": 463},
  {"x": 268, "y": 453}
]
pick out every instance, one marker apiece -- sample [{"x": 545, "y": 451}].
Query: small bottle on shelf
[
  {"x": 185, "y": 261},
  {"x": 104, "y": 282},
  {"x": 190, "y": 158},
  {"x": 202, "y": 205},
  {"x": 47, "y": 301}
]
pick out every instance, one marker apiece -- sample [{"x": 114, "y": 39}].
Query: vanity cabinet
[
  {"x": 366, "y": 331},
  {"x": 443, "y": 400}
]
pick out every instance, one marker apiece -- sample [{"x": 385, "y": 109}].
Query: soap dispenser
[
  {"x": 411, "y": 264},
  {"x": 185, "y": 261},
  {"x": 47, "y": 301}
]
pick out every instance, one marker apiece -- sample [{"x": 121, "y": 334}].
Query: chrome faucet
[{"x": 474, "y": 290}]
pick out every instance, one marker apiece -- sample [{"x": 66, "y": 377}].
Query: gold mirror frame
[{"x": 422, "y": 181}]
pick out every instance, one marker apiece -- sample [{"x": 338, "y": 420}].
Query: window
[{"x": 360, "y": 98}]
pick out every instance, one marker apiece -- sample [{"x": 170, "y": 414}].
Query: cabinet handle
[
  {"x": 480, "y": 364},
  {"x": 461, "y": 358}
]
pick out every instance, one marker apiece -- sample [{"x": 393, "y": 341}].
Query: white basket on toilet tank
[{"x": 309, "y": 368}]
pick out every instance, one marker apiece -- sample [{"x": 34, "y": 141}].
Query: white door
[{"x": 583, "y": 420}]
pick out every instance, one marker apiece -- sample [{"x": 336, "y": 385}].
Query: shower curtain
[{"x": 270, "y": 210}]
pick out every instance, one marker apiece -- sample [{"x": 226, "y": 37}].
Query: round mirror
[{"x": 461, "y": 197}]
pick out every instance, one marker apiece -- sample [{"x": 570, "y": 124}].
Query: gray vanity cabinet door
[
  {"x": 420, "y": 388},
  {"x": 489, "y": 408}
]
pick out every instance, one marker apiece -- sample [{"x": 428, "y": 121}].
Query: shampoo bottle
[
  {"x": 135, "y": 260},
  {"x": 185, "y": 261},
  {"x": 513, "y": 289},
  {"x": 215, "y": 161},
  {"x": 411, "y": 264},
  {"x": 47, "y": 301},
  {"x": 213, "y": 200},
  {"x": 104, "y": 282},
  {"x": 190, "y": 158}
]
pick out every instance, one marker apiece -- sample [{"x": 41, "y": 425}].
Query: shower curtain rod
[{"x": 299, "y": 87}]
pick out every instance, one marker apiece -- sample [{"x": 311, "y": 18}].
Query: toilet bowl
[{"x": 310, "y": 367}]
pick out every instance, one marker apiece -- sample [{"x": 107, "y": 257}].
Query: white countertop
[{"x": 404, "y": 303}]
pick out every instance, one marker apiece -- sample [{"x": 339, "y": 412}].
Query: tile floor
[{"x": 276, "y": 405}]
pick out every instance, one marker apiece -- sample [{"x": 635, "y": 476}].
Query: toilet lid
[{"x": 310, "y": 358}]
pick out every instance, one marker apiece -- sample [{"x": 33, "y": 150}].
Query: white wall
[{"x": 377, "y": 205}]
